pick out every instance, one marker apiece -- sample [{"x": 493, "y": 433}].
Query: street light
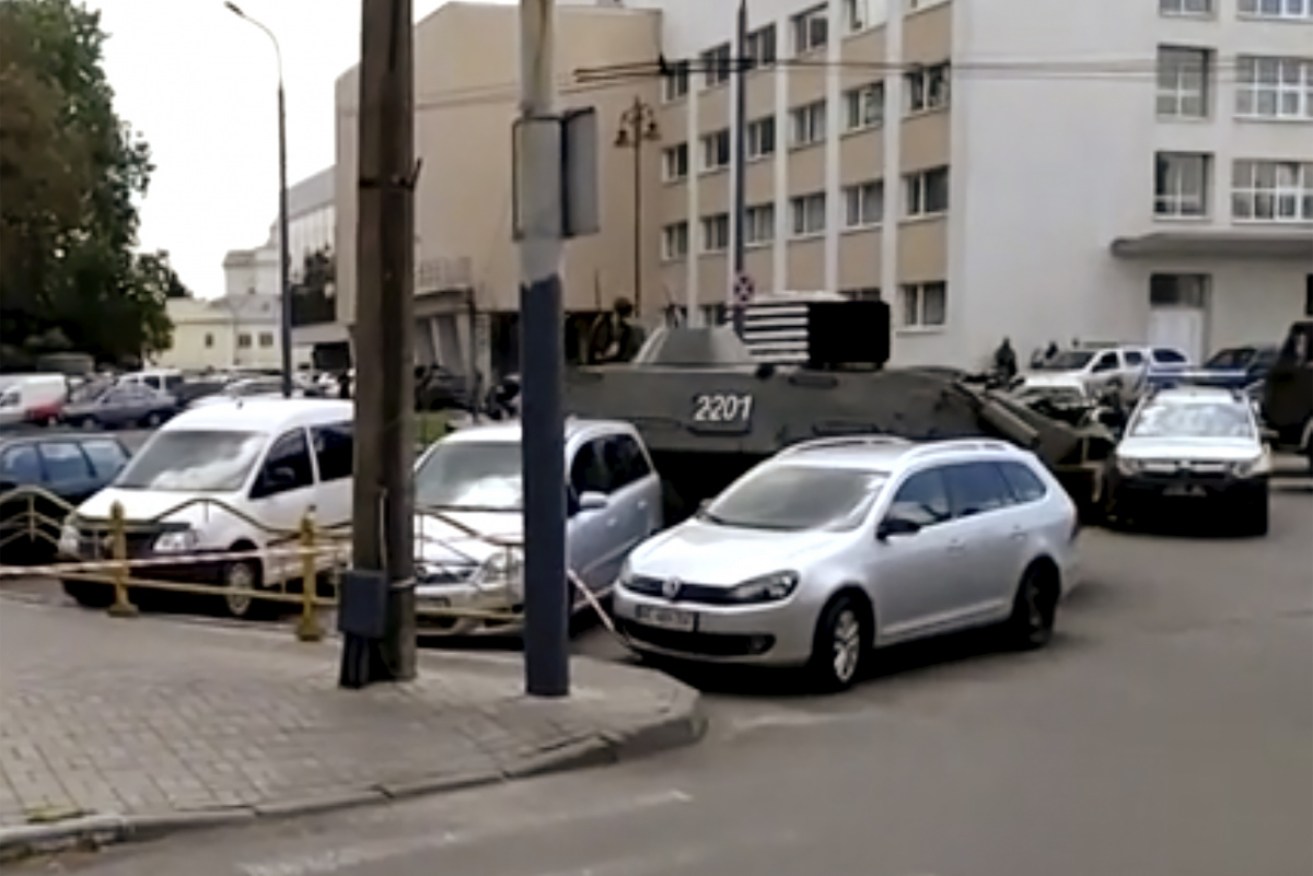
[
  {"x": 638, "y": 124},
  {"x": 284, "y": 260}
]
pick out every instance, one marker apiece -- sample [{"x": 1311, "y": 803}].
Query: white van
[
  {"x": 245, "y": 473},
  {"x": 31, "y": 398},
  {"x": 160, "y": 379}
]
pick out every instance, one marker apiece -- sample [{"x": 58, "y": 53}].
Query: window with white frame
[
  {"x": 808, "y": 124},
  {"x": 810, "y": 29},
  {"x": 927, "y": 87},
  {"x": 759, "y": 225},
  {"x": 863, "y": 204},
  {"x": 1274, "y": 88},
  {"x": 760, "y": 47},
  {"x": 923, "y": 305},
  {"x": 808, "y": 214},
  {"x": 715, "y": 65},
  {"x": 1186, "y": 7},
  {"x": 925, "y": 192},
  {"x": 674, "y": 162},
  {"x": 674, "y": 241},
  {"x": 1183, "y": 82},
  {"x": 1283, "y": 10},
  {"x": 715, "y": 150},
  {"x": 1180, "y": 184},
  {"x": 1272, "y": 191},
  {"x": 856, "y": 15},
  {"x": 863, "y": 106},
  {"x": 675, "y": 84},
  {"x": 760, "y": 137},
  {"x": 715, "y": 232}
]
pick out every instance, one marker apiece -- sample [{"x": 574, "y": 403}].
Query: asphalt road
[{"x": 1167, "y": 730}]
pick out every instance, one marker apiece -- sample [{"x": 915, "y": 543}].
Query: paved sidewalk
[{"x": 123, "y": 728}]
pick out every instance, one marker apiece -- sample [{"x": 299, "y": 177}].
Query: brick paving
[{"x": 147, "y": 716}]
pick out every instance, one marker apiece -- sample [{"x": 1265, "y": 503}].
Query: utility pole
[
  {"x": 638, "y": 124},
  {"x": 542, "y": 341},
  {"x": 740, "y": 155},
  {"x": 381, "y": 533}
]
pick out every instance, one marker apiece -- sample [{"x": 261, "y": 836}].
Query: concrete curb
[{"x": 682, "y": 723}]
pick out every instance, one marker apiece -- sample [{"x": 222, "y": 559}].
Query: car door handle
[
  {"x": 956, "y": 547},
  {"x": 642, "y": 504},
  {"x": 1017, "y": 534}
]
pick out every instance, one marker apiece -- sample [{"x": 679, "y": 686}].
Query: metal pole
[
  {"x": 740, "y": 151},
  {"x": 638, "y": 207},
  {"x": 383, "y": 501},
  {"x": 284, "y": 259},
  {"x": 542, "y": 330}
]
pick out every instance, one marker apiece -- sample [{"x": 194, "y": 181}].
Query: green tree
[{"x": 70, "y": 171}]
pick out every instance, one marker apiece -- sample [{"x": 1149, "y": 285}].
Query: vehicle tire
[
  {"x": 1034, "y": 608},
  {"x": 88, "y": 423},
  {"x": 240, "y": 580},
  {"x": 89, "y": 594},
  {"x": 152, "y": 420},
  {"x": 1254, "y": 512},
  {"x": 840, "y": 644}
]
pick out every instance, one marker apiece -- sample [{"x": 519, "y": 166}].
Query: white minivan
[
  {"x": 31, "y": 398},
  {"x": 223, "y": 489}
]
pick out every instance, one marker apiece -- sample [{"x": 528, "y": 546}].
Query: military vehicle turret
[{"x": 710, "y": 404}]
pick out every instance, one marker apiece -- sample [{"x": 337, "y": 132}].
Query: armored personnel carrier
[{"x": 710, "y": 405}]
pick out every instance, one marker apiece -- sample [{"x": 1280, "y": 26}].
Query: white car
[
  {"x": 1191, "y": 445},
  {"x": 224, "y": 479},
  {"x": 469, "y": 517},
  {"x": 1122, "y": 367},
  {"x": 836, "y": 546}
]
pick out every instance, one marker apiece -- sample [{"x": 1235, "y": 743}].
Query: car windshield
[
  {"x": 469, "y": 475},
  {"x": 793, "y": 498},
  {"x": 203, "y": 462},
  {"x": 1193, "y": 420},
  {"x": 1069, "y": 360}
]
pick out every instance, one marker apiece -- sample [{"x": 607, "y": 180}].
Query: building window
[
  {"x": 674, "y": 162},
  {"x": 759, "y": 225},
  {"x": 760, "y": 136},
  {"x": 1186, "y": 7},
  {"x": 715, "y": 150},
  {"x": 1274, "y": 88},
  {"x": 760, "y": 47},
  {"x": 715, "y": 233},
  {"x": 243, "y": 341},
  {"x": 865, "y": 293},
  {"x": 209, "y": 340},
  {"x": 1272, "y": 191},
  {"x": 926, "y": 192},
  {"x": 864, "y": 204},
  {"x": 808, "y": 214},
  {"x": 266, "y": 339},
  {"x": 1183, "y": 82},
  {"x": 924, "y": 305},
  {"x": 863, "y": 106},
  {"x": 927, "y": 87},
  {"x": 1180, "y": 184},
  {"x": 1178, "y": 290},
  {"x": 1285, "y": 10},
  {"x": 810, "y": 29},
  {"x": 674, "y": 241},
  {"x": 808, "y": 124},
  {"x": 856, "y": 15},
  {"x": 675, "y": 85},
  {"x": 715, "y": 65}
]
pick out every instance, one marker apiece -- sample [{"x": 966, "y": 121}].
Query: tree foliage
[{"x": 70, "y": 171}]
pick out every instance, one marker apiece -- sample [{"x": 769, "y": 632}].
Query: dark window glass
[
  {"x": 64, "y": 462},
  {"x": 977, "y": 487},
  {"x": 1026, "y": 485},
  {"x": 107, "y": 457},
  {"x": 922, "y": 499},
  {"x": 334, "y": 448},
  {"x": 20, "y": 465},
  {"x": 287, "y": 467},
  {"x": 625, "y": 460},
  {"x": 589, "y": 472}
]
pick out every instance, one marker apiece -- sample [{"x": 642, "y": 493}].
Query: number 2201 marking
[{"x": 717, "y": 407}]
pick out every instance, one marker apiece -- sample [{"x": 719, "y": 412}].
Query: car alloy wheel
[
  {"x": 847, "y": 646},
  {"x": 840, "y": 643},
  {"x": 1034, "y": 611},
  {"x": 239, "y": 588}
]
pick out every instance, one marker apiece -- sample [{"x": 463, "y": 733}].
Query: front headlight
[
  {"x": 626, "y": 574},
  {"x": 1129, "y": 466},
  {"x": 767, "y": 588},
  {"x": 1245, "y": 468},
  {"x": 503, "y": 570},
  {"x": 178, "y": 542}
]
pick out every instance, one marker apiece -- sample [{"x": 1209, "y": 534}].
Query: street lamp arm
[{"x": 278, "y": 49}]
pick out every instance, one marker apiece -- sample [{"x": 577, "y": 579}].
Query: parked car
[
  {"x": 31, "y": 398},
  {"x": 120, "y": 407},
  {"x": 160, "y": 379},
  {"x": 1099, "y": 368},
  {"x": 224, "y": 479},
  {"x": 1230, "y": 368},
  {"x": 70, "y": 467},
  {"x": 1191, "y": 445},
  {"x": 469, "y": 493},
  {"x": 836, "y": 546},
  {"x": 247, "y": 387}
]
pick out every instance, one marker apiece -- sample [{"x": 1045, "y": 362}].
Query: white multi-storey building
[{"x": 1129, "y": 169}]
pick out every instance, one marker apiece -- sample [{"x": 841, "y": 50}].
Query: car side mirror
[
  {"x": 892, "y": 526},
  {"x": 593, "y": 501},
  {"x": 703, "y": 506},
  {"x": 1269, "y": 436}
]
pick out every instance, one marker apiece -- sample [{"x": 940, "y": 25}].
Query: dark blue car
[{"x": 1240, "y": 368}]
